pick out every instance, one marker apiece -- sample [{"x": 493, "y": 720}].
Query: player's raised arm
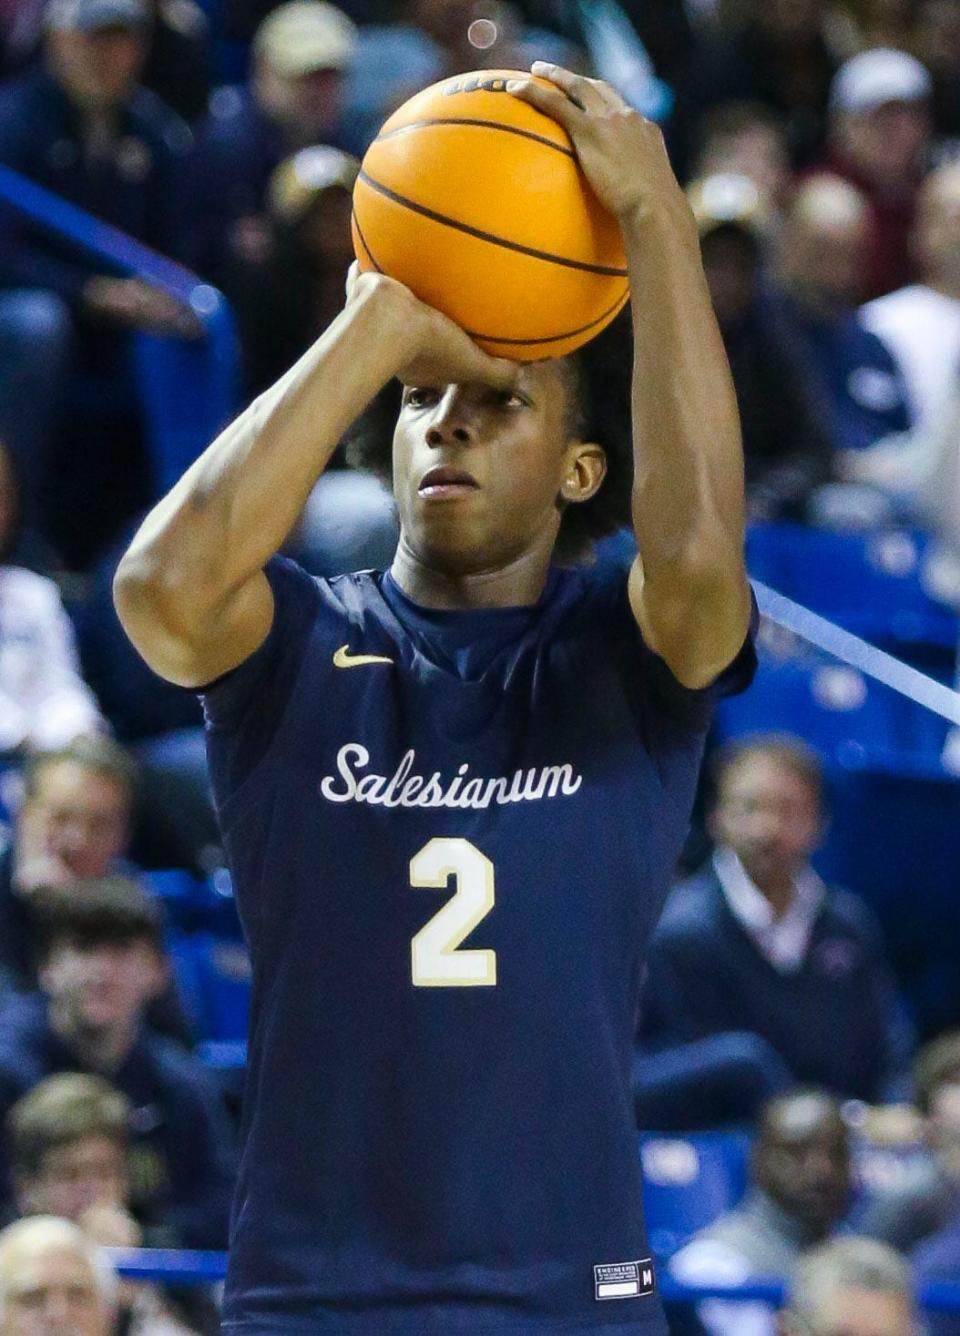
[
  {"x": 190, "y": 591},
  {"x": 688, "y": 587}
]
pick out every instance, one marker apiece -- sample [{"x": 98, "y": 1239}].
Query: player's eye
[
  {"x": 418, "y": 396},
  {"x": 511, "y": 399}
]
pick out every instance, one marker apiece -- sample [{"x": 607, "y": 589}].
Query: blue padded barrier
[
  {"x": 189, "y": 389},
  {"x": 206, "y": 1268},
  {"x": 688, "y": 1181}
]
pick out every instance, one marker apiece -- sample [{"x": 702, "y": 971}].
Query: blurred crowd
[{"x": 819, "y": 145}]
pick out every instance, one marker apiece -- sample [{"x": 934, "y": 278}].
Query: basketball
[{"x": 476, "y": 202}]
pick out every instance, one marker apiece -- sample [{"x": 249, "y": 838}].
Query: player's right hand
[{"x": 436, "y": 351}]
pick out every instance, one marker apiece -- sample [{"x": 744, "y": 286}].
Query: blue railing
[
  {"x": 160, "y": 1264},
  {"x": 189, "y": 388}
]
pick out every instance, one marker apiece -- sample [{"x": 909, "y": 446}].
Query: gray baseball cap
[{"x": 88, "y": 15}]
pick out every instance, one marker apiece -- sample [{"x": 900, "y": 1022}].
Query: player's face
[{"x": 480, "y": 474}]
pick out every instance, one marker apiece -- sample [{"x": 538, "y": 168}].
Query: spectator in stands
[
  {"x": 777, "y": 55},
  {"x": 818, "y": 291},
  {"x": 82, "y": 127},
  {"x": 74, "y": 824},
  {"x": 852, "y": 1286},
  {"x": 747, "y": 139},
  {"x": 757, "y": 943},
  {"x": 56, "y": 1281},
  {"x": 935, "y": 39},
  {"x": 73, "y": 828},
  {"x": 927, "y": 1197},
  {"x": 429, "y": 40},
  {"x": 286, "y": 299},
  {"x": 44, "y": 701},
  {"x": 920, "y": 323},
  {"x": 53, "y": 1279},
  {"x": 785, "y": 432},
  {"x": 178, "y": 67},
  {"x": 800, "y": 1191},
  {"x": 103, "y": 960},
  {"x": 860, "y": 25},
  {"x": 880, "y": 133},
  {"x": 301, "y": 54},
  {"x": 70, "y": 1157}
]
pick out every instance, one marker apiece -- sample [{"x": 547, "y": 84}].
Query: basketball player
[{"x": 452, "y": 794}]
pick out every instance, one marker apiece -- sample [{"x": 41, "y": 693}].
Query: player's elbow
[
  {"x": 161, "y": 615},
  {"x": 700, "y": 623}
]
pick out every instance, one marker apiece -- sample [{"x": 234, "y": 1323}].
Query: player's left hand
[{"x": 622, "y": 154}]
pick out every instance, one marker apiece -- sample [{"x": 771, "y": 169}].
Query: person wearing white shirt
[
  {"x": 756, "y": 944},
  {"x": 44, "y": 702},
  {"x": 920, "y": 323}
]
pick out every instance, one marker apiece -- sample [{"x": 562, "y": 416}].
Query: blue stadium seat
[
  {"x": 835, "y": 708},
  {"x": 213, "y": 977},
  {"x": 688, "y": 1181},
  {"x": 873, "y": 583},
  {"x": 894, "y": 838}
]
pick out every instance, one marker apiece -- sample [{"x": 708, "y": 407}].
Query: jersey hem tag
[{"x": 623, "y": 1280}]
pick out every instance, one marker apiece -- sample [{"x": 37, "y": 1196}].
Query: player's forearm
[
  {"x": 234, "y": 507},
  {"x": 688, "y": 501}
]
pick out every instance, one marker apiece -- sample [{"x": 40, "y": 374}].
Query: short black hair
[
  {"x": 98, "y": 911},
  {"x": 599, "y": 389}
]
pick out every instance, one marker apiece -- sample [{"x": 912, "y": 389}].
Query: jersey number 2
[{"x": 435, "y": 960}]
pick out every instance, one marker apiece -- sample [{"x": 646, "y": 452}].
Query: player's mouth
[{"x": 444, "y": 484}]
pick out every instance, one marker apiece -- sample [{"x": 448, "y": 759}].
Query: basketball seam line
[
  {"x": 477, "y": 232},
  {"x": 363, "y": 241},
  {"x": 488, "y": 125},
  {"x": 554, "y": 338}
]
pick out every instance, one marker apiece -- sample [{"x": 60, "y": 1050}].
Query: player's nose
[{"x": 454, "y": 422}]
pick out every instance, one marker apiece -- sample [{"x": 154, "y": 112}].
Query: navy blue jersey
[{"x": 451, "y": 834}]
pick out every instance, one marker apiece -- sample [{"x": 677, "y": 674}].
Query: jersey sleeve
[
  {"x": 653, "y": 681},
  {"x": 243, "y": 708},
  {"x": 695, "y": 706}
]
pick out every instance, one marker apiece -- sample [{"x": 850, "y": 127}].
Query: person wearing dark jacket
[
  {"x": 786, "y": 437},
  {"x": 757, "y": 944},
  {"x": 102, "y": 962},
  {"x": 295, "y": 99},
  {"x": 72, "y": 830},
  {"x": 82, "y": 126}
]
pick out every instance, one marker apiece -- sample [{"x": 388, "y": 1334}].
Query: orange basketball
[{"x": 475, "y": 200}]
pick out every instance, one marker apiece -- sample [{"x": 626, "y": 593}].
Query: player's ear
[{"x": 585, "y": 467}]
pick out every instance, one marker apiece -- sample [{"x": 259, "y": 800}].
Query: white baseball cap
[
  {"x": 872, "y": 78},
  {"x": 306, "y": 35}
]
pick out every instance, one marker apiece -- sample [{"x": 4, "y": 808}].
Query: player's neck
[{"x": 513, "y": 584}]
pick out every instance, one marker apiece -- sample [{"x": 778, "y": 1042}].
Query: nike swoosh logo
[{"x": 342, "y": 658}]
